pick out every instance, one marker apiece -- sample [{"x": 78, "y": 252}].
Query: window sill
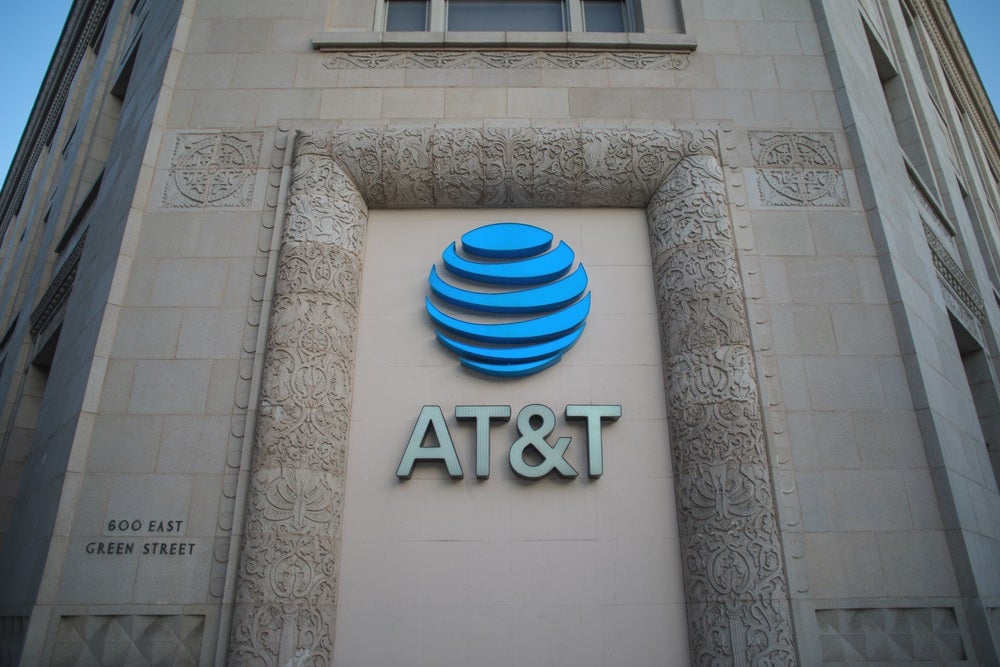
[{"x": 569, "y": 41}]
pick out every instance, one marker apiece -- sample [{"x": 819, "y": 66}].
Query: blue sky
[{"x": 33, "y": 27}]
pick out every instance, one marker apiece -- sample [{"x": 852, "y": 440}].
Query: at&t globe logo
[{"x": 528, "y": 306}]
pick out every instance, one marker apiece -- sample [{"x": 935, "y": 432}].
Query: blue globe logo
[{"x": 539, "y": 320}]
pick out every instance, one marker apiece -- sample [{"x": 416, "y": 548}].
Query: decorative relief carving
[
  {"x": 703, "y": 320},
  {"x": 303, "y": 266},
  {"x": 963, "y": 298},
  {"x": 261, "y": 631},
  {"x": 676, "y": 267},
  {"x": 290, "y": 572},
  {"x": 506, "y": 166},
  {"x": 212, "y": 170},
  {"x": 727, "y": 432},
  {"x": 406, "y": 177},
  {"x": 129, "y": 640},
  {"x": 508, "y": 170},
  {"x": 506, "y": 59},
  {"x": 798, "y": 169},
  {"x": 299, "y": 501},
  {"x": 735, "y": 585},
  {"x": 466, "y": 177},
  {"x": 310, "y": 219},
  {"x": 734, "y": 577},
  {"x": 708, "y": 375},
  {"x": 893, "y": 635},
  {"x": 753, "y": 631},
  {"x": 286, "y": 587}
]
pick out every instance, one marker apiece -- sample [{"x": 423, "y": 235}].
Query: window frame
[
  {"x": 497, "y": 7},
  {"x": 628, "y": 15},
  {"x": 384, "y": 21},
  {"x": 437, "y": 16}
]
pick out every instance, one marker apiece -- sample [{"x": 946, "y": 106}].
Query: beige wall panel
[{"x": 548, "y": 572}]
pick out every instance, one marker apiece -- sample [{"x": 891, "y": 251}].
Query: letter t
[
  {"x": 594, "y": 414},
  {"x": 483, "y": 415}
]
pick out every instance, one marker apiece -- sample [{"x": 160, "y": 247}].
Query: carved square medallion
[
  {"x": 212, "y": 170},
  {"x": 798, "y": 169}
]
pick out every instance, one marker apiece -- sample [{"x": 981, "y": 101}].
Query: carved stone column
[
  {"x": 734, "y": 578},
  {"x": 286, "y": 587}
]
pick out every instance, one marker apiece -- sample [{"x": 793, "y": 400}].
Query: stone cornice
[
  {"x": 536, "y": 41},
  {"x": 960, "y": 71},
  {"x": 83, "y": 22}
]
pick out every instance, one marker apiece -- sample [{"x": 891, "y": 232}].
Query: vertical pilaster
[
  {"x": 286, "y": 591},
  {"x": 734, "y": 577}
]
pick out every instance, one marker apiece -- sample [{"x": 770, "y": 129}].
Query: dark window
[
  {"x": 406, "y": 15},
  {"x": 605, "y": 16},
  {"x": 120, "y": 86},
  {"x": 507, "y": 15}
]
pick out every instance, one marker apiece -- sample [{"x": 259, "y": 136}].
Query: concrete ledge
[{"x": 571, "y": 41}]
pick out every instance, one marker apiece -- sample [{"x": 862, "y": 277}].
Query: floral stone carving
[
  {"x": 286, "y": 589},
  {"x": 736, "y": 590}
]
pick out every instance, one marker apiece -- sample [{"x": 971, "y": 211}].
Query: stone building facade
[{"x": 214, "y": 348}]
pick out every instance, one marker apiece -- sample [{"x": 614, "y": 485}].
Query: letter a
[{"x": 430, "y": 419}]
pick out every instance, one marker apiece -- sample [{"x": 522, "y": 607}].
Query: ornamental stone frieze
[
  {"x": 960, "y": 294},
  {"x": 506, "y": 59},
  {"x": 734, "y": 576}
]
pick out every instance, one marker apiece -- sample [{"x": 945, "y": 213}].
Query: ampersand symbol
[{"x": 552, "y": 455}]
